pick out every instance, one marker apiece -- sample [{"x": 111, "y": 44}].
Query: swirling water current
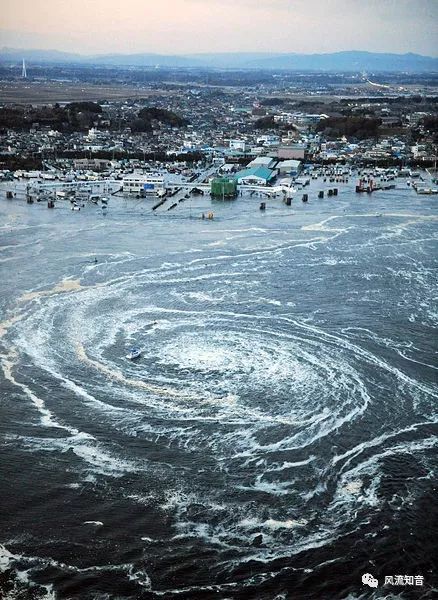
[{"x": 277, "y": 437}]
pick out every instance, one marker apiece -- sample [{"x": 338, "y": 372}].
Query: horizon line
[{"x": 203, "y": 53}]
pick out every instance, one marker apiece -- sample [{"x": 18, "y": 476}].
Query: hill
[{"x": 336, "y": 61}]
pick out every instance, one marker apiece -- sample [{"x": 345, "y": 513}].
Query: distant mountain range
[{"x": 335, "y": 61}]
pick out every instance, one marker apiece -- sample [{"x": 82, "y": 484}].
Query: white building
[
  {"x": 227, "y": 168},
  {"x": 239, "y": 145},
  {"x": 268, "y": 140},
  {"x": 263, "y": 161},
  {"x": 290, "y": 167},
  {"x": 137, "y": 183},
  {"x": 92, "y": 134},
  {"x": 299, "y": 118}
]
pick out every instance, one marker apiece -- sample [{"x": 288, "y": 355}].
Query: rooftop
[{"x": 261, "y": 172}]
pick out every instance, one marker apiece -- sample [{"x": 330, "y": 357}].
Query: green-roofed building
[{"x": 255, "y": 176}]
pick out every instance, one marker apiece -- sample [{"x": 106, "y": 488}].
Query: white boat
[
  {"x": 426, "y": 191},
  {"x": 133, "y": 353}
]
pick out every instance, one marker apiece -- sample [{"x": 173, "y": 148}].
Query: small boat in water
[{"x": 133, "y": 353}]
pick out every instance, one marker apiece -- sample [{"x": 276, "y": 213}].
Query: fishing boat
[{"x": 133, "y": 353}]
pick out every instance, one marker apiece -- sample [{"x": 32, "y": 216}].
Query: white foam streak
[{"x": 46, "y": 416}]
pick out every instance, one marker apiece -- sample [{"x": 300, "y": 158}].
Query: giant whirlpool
[{"x": 284, "y": 406}]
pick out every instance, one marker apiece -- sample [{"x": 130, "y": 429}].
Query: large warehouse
[
  {"x": 289, "y": 167},
  {"x": 263, "y": 161},
  {"x": 255, "y": 176}
]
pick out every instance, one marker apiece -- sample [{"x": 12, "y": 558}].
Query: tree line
[{"x": 80, "y": 116}]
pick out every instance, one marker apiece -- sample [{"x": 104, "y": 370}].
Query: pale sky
[{"x": 190, "y": 26}]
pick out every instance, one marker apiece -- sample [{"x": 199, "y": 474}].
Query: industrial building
[
  {"x": 91, "y": 164},
  {"x": 263, "y": 161},
  {"x": 255, "y": 176},
  {"x": 296, "y": 151},
  {"x": 290, "y": 167},
  {"x": 143, "y": 184}
]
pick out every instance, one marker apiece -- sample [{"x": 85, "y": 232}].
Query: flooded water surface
[{"x": 276, "y": 439}]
